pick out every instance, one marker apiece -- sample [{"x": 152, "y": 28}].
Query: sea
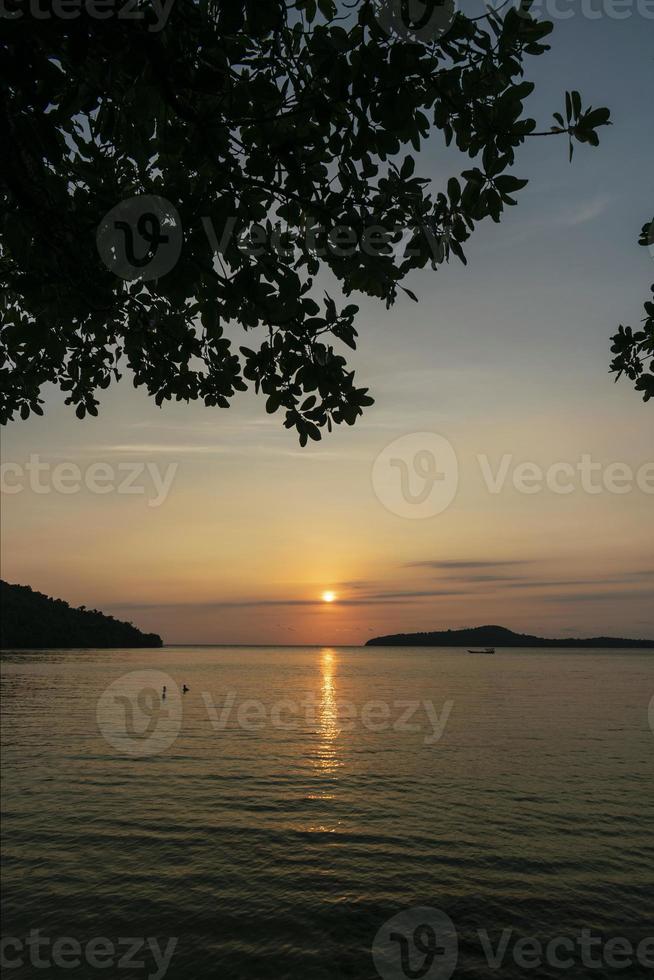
[{"x": 316, "y": 813}]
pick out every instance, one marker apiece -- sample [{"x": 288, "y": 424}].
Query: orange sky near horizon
[{"x": 253, "y": 531}]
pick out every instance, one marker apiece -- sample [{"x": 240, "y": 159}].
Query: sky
[{"x": 501, "y": 476}]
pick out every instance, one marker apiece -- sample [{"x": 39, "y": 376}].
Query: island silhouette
[
  {"x": 499, "y": 636},
  {"x": 31, "y": 620}
]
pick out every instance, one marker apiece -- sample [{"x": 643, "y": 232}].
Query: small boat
[{"x": 489, "y": 650}]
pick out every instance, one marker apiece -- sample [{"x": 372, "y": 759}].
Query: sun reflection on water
[
  {"x": 328, "y": 713},
  {"x": 326, "y": 757}
]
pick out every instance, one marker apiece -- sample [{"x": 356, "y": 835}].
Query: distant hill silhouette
[
  {"x": 31, "y": 620},
  {"x": 498, "y": 636}
]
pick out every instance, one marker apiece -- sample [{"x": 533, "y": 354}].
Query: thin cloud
[
  {"x": 154, "y": 448},
  {"x": 368, "y": 600},
  {"x": 205, "y": 449},
  {"x": 624, "y": 579},
  {"x": 447, "y": 564},
  {"x": 427, "y": 593},
  {"x": 583, "y": 212},
  {"x": 571, "y": 597}
]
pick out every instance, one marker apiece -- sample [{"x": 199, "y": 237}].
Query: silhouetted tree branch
[{"x": 288, "y": 123}]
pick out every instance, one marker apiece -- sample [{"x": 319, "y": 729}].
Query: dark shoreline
[
  {"x": 499, "y": 636},
  {"x": 31, "y": 620}
]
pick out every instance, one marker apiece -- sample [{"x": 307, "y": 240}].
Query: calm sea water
[{"x": 294, "y": 800}]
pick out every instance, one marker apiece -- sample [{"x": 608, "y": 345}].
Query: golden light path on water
[
  {"x": 327, "y": 760},
  {"x": 328, "y": 708}
]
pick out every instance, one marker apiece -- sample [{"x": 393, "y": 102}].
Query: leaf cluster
[
  {"x": 284, "y": 113},
  {"x": 634, "y": 349}
]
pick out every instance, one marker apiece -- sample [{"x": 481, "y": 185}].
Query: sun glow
[{"x": 329, "y": 597}]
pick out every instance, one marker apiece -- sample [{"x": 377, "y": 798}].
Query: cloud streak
[{"x": 448, "y": 564}]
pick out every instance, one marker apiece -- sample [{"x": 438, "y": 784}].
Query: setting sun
[{"x": 328, "y": 596}]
